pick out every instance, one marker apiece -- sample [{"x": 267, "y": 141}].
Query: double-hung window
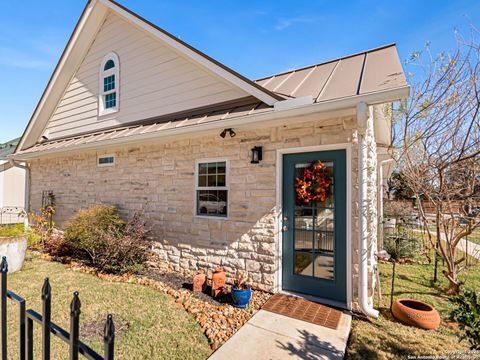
[
  {"x": 109, "y": 84},
  {"x": 212, "y": 188}
]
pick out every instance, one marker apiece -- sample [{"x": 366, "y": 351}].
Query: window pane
[
  {"x": 106, "y": 160},
  {"x": 110, "y": 100},
  {"x": 221, "y": 168},
  {"x": 202, "y": 180},
  {"x": 212, "y": 202},
  {"x": 202, "y": 169},
  {"x": 221, "y": 180},
  {"x": 212, "y": 180},
  {"x": 109, "y": 65},
  {"x": 109, "y": 83}
]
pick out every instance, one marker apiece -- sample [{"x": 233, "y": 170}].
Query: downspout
[
  {"x": 366, "y": 307},
  {"x": 27, "y": 188}
]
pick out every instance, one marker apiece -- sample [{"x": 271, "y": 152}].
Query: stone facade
[{"x": 160, "y": 179}]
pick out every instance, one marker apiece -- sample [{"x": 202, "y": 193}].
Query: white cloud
[{"x": 284, "y": 23}]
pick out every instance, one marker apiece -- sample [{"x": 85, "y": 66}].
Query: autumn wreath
[{"x": 314, "y": 184}]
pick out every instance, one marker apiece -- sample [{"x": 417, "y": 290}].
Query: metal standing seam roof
[
  {"x": 8, "y": 147},
  {"x": 359, "y": 74},
  {"x": 367, "y": 72}
]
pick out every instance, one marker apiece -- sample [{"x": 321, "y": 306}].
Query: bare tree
[{"x": 437, "y": 134}]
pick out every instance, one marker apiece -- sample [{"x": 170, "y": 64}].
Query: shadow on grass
[
  {"x": 388, "y": 342},
  {"x": 311, "y": 348}
]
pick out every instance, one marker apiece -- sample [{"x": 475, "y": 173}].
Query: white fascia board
[
  {"x": 63, "y": 68},
  {"x": 293, "y": 103},
  {"x": 199, "y": 59},
  {"x": 327, "y": 108}
]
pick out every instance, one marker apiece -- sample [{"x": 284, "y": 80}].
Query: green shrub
[
  {"x": 12, "y": 230},
  {"x": 84, "y": 229},
  {"x": 467, "y": 314},
  {"x": 100, "y": 237},
  {"x": 400, "y": 247}
]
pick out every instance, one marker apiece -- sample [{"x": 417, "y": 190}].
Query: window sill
[
  {"x": 107, "y": 112},
  {"x": 211, "y": 217}
]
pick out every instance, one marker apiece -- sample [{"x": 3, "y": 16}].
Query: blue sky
[{"x": 255, "y": 38}]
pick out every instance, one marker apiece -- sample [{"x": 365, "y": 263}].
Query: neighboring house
[
  {"x": 135, "y": 117},
  {"x": 12, "y": 186}
]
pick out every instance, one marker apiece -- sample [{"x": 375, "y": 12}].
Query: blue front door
[{"x": 314, "y": 224}]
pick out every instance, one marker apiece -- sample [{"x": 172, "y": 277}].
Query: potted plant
[
  {"x": 13, "y": 245},
  {"x": 241, "y": 292}
]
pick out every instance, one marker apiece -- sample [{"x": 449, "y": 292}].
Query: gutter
[
  {"x": 262, "y": 119},
  {"x": 362, "y": 115}
]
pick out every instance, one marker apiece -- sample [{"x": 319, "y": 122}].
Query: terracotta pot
[
  {"x": 200, "y": 281},
  {"x": 416, "y": 313},
  {"x": 218, "y": 281}
]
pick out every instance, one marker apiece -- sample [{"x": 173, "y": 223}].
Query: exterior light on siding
[
  {"x": 257, "y": 153},
  {"x": 230, "y": 132}
]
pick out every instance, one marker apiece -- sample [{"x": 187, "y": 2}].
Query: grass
[
  {"x": 385, "y": 338},
  {"x": 157, "y": 327},
  {"x": 11, "y": 230}
]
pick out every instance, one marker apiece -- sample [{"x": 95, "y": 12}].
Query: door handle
[{"x": 285, "y": 228}]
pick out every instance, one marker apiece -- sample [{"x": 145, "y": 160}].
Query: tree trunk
[{"x": 453, "y": 287}]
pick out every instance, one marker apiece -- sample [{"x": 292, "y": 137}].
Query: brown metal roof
[
  {"x": 369, "y": 71},
  {"x": 152, "y": 125}
]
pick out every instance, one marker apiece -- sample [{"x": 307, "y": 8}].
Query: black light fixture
[
  {"x": 230, "y": 132},
  {"x": 257, "y": 154}
]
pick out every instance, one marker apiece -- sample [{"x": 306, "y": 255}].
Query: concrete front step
[{"x": 271, "y": 336}]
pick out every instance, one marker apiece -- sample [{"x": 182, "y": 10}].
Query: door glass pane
[
  {"x": 303, "y": 263},
  {"x": 314, "y": 232}
]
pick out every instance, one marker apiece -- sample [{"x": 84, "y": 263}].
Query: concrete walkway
[
  {"x": 269, "y": 336},
  {"x": 470, "y": 248}
]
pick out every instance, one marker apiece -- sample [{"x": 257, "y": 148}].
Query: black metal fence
[{"x": 27, "y": 318}]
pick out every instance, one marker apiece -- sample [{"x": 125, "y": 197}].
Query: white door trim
[{"x": 279, "y": 206}]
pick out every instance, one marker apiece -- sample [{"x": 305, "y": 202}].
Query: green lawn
[
  {"x": 157, "y": 327},
  {"x": 387, "y": 339}
]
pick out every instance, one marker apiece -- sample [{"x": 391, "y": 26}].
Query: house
[
  {"x": 12, "y": 186},
  {"x": 135, "y": 117}
]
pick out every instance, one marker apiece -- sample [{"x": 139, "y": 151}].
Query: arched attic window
[{"x": 109, "y": 84}]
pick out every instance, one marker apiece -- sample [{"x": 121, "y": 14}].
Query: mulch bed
[{"x": 218, "y": 319}]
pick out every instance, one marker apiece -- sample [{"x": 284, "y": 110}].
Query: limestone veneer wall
[{"x": 159, "y": 178}]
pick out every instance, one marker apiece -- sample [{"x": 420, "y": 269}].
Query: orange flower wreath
[{"x": 314, "y": 183}]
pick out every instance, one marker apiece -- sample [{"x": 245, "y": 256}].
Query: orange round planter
[{"x": 416, "y": 313}]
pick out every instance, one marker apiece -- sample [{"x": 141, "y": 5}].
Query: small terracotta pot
[
  {"x": 416, "y": 313},
  {"x": 200, "y": 281},
  {"x": 218, "y": 281}
]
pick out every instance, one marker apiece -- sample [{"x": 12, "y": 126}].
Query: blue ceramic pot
[{"x": 241, "y": 298}]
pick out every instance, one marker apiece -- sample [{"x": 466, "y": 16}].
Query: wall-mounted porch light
[{"x": 257, "y": 154}]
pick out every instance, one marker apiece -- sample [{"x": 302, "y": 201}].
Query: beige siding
[{"x": 154, "y": 80}]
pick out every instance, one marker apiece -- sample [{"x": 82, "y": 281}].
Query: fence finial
[
  {"x": 109, "y": 337},
  {"x": 75, "y": 305},
  {"x": 4, "y": 265},
  {"x": 109, "y": 329},
  {"x": 46, "y": 289}
]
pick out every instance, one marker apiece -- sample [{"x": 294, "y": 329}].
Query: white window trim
[
  {"x": 226, "y": 187},
  {"x": 101, "y": 94},
  {"x": 106, "y": 156}
]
